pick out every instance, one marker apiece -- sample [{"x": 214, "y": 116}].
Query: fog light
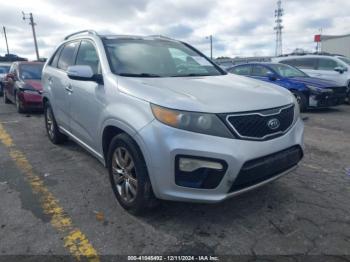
[{"x": 191, "y": 164}]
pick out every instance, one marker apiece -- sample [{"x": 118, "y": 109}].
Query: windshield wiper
[
  {"x": 139, "y": 75},
  {"x": 186, "y": 75}
]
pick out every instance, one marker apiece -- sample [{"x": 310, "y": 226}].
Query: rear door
[
  {"x": 57, "y": 81},
  {"x": 87, "y": 98}
]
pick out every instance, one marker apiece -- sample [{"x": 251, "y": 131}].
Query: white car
[{"x": 336, "y": 68}]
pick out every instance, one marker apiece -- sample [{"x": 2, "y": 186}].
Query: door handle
[{"x": 69, "y": 88}]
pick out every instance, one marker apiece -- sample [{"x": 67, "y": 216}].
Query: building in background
[{"x": 335, "y": 44}]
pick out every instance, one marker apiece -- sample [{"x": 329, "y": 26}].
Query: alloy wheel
[
  {"x": 123, "y": 170},
  {"x": 49, "y": 123}
]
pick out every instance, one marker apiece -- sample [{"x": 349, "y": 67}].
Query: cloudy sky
[{"x": 239, "y": 28}]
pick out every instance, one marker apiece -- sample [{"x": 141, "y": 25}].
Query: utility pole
[
  {"x": 278, "y": 28},
  {"x": 31, "y": 22},
  {"x": 7, "y": 45},
  {"x": 211, "y": 46}
]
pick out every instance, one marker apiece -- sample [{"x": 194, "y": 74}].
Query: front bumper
[
  {"x": 31, "y": 100},
  {"x": 326, "y": 99},
  {"x": 161, "y": 145}
]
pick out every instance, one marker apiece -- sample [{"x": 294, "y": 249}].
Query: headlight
[
  {"x": 296, "y": 110},
  {"x": 318, "y": 90},
  {"x": 208, "y": 124}
]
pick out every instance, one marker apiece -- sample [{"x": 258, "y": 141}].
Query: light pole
[
  {"x": 7, "y": 45},
  {"x": 211, "y": 46},
  {"x": 31, "y": 22}
]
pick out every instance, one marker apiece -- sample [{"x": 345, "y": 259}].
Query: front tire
[
  {"x": 302, "y": 100},
  {"x": 19, "y": 106},
  {"x": 128, "y": 175},
  {"x": 52, "y": 130}
]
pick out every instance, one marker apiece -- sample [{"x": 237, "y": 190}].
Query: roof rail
[
  {"x": 90, "y": 32},
  {"x": 162, "y": 36}
]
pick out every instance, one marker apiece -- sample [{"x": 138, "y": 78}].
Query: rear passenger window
[
  {"x": 305, "y": 63},
  {"x": 326, "y": 64},
  {"x": 87, "y": 55},
  {"x": 302, "y": 63},
  {"x": 261, "y": 71},
  {"x": 241, "y": 70},
  {"x": 67, "y": 56}
]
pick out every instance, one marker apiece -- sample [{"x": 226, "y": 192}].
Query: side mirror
[
  {"x": 271, "y": 76},
  {"x": 340, "y": 69},
  {"x": 83, "y": 73}
]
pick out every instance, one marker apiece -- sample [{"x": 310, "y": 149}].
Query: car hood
[
  {"x": 215, "y": 94},
  {"x": 313, "y": 81},
  {"x": 35, "y": 84}
]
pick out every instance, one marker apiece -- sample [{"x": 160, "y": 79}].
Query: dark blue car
[{"x": 309, "y": 91}]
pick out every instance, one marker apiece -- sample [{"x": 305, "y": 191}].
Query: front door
[{"x": 87, "y": 99}]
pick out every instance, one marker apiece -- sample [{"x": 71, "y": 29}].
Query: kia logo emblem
[{"x": 273, "y": 123}]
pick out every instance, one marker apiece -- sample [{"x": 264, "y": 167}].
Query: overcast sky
[{"x": 239, "y": 28}]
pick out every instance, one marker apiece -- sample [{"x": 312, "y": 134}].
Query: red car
[{"x": 22, "y": 86}]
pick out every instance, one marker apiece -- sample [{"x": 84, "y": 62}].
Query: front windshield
[
  {"x": 4, "y": 69},
  {"x": 156, "y": 58},
  {"x": 30, "y": 71},
  {"x": 345, "y": 60},
  {"x": 288, "y": 71}
]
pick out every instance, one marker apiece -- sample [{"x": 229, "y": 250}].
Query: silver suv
[{"x": 166, "y": 121}]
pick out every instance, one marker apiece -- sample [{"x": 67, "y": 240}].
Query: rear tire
[
  {"x": 129, "y": 177},
  {"x": 302, "y": 100},
  {"x": 52, "y": 130}
]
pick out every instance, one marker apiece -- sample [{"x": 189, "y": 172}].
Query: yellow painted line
[{"x": 74, "y": 240}]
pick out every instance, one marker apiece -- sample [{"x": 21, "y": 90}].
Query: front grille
[
  {"x": 258, "y": 170},
  {"x": 261, "y": 125}
]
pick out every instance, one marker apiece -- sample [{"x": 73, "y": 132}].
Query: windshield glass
[
  {"x": 288, "y": 71},
  {"x": 345, "y": 60},
  {"x": 4, "y": 69},
  {"x": 30, "y": 71},
  {"x": 156, "y": 58}
]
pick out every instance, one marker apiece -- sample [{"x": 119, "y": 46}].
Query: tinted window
[
  {"x": 240, "y": 70},
  {"x": 260, "y": 71},
  {"x": 87, "y": 55},
  {"x": 327, "y": 64},
  {"x": 4, "y": 69},
  {"x": 303, "y": 63},
  {"x": 156, "y": 58},
  {"x": 30, "y": 71},
  {"x": 54, "y": 59},
  {"x": 67, "y": 56},
  {"x": 287, "y": 71}
]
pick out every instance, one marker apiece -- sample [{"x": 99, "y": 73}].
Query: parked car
[
  {"x": 310, "y": 92},
  {"x": 329, "y": 67},
  {"x": 22, "y": 86},
  {"x": 166, "y": 121},
  {"x": 4, "y": 69}
]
